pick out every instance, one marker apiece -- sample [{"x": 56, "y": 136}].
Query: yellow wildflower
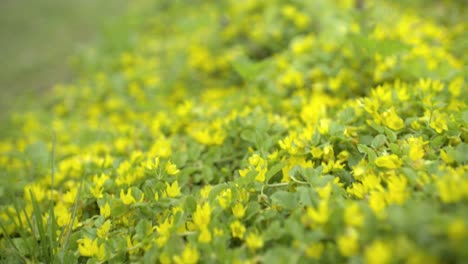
[
  {"x": 254, "y": 241},
  {"x": 171, "y": 169},
  {"x": 190, "y": 255},
  {"x": 237, "y": 229},
  {"x": 353, "y": 215},
  {"x": 238, "y": 210},
  {"x": 90, "y": 248},
  {"x": 439, "y": 123},
  {"x": 173, "y": 190},
  {"x": 202, "y": 216},
  {"x": 152, "y": 164},
  {"x": 397, "y": 192},
  {"x": 457, "y": 230},
  {"x": 105, "y": 210},
  {"x": 392, "y": 120},
  {"x": 378, "y": 252},
  {"x": 314, "y": 250},
  {"x": 103, "y": 230},
  {"x": 127, "y": 198},
  {"x": 389, "y": 161},
  {"x": 319, "y": 215},
  {"x": 205, "y": 236},
  {"x": 348, "y": 244}
]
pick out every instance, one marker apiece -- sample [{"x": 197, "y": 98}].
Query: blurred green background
[{"x": 37, "y": 39}]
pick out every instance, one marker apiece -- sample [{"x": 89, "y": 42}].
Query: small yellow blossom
[
  {"x": 378, "y": 252},
  {"x": 446, "y": 157},
  {"x": 319, "y": 215},
  {"x": 353, "y": 215},
  {"x": 105, "y": 210},
  {"x": 190, "y": 255},
  {"x": 348, "y": 244},
  {"x": 202, "y": 216},
  {"x": 173, "y": 190},
  {"x": 238, "y": 210},
  {"x": 324, "y": 192},
  {"x": 127, "y": 198},
  {"x": 416, "y": 150},
  {"x": 205, "y": 236},
  {"x": 171, "y": 169},
  {"x": 314, "y": 250},
  {"x": 90, "y": 248},
  {"x": 388, "y": 161},
  {"x": 103, "y": 230},
  {"x": 237, "y": 229},
  {"x": 152, "y": 164},
  {"x": 439, "y": 123},
  {"x": 224, "y": 198},
  {"x": 457, "y": 230},
  {"x": 392, "y": 120},
  {"x": 254, "y": 241}
]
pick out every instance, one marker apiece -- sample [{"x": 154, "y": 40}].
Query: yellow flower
[
  {"x": 378, "y": 252},
  {"x": 392, "y": 120},
  {"x": 237, "y": 229},
  {"x": 238, "y": 210},
  {"x": 103, "y": 230},
  {"x": 261, "y": 174},
  {"x": 457, "y": 230},
  {"x": 105, "y": 210},
  {"x": 255, "y": 159},
  {"x": 70, "y": 196},
  {"x": 205, "y": 191},
  {"x": 353, "y": 215},
  {"x": 319, "y": 215},
  {"x": 416, "y": 150},
  {"x": 314, "y": 250},
  {"x": 439, "y": 123},
  {"x": 205, "y": 236},
  {"x": 171, "y": 169},
  {"x": 446, "y": 157},
  {"x": 202, "y": 216},
  {"x": 324, "y": 192},
  {"x": 152, "y": 164},
  {"x": 190, "y": 255},
  {"x": 127, "y": 198},
  {"x": 173, "y": 190},
  {"x": 316, "y": 152},
  {"x": 254, "y": 241},
  {"x": 244, "y": 172},
  {"x": 348, "y": 244},
  {"x": 377, "y": 203},
  {"x": 396, "y": 189},
  {"x": 224, "y": 198},
  {"x": 90, "y": 248},
  {"x": 388, "y": 161}
]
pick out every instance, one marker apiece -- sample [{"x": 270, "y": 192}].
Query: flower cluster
[{"x": 250, "y": 131}]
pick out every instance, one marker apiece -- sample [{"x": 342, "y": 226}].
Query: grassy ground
[{"x": 38, "y": 37}]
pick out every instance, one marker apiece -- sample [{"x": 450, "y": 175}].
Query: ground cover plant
[{"x": 249, "y": 132}]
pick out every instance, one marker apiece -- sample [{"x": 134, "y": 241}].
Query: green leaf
[
  {"x": 284, "y": 199},
  {"x": 273, "y": 171},
  {"x": 368, "y": 151},
  {"x": 378, "y": 141},
  {"x": 370, "y": 46}
]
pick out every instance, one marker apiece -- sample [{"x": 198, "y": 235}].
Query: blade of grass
[
  {"x": 10, "y": 241},
  {"x": 31, "y": 248},
  {"x": 37, "y": 216},
  {"x": 51, "y": 222},
  {"x": 72, "y": 220}
]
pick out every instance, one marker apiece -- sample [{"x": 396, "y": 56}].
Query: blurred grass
[{"x": 37, "y": 39}]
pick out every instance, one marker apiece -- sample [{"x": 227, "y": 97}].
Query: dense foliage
[{"x": 250, "y": 131}]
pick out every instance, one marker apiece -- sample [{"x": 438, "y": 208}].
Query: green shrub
[{"x": 250, "y": 131}]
